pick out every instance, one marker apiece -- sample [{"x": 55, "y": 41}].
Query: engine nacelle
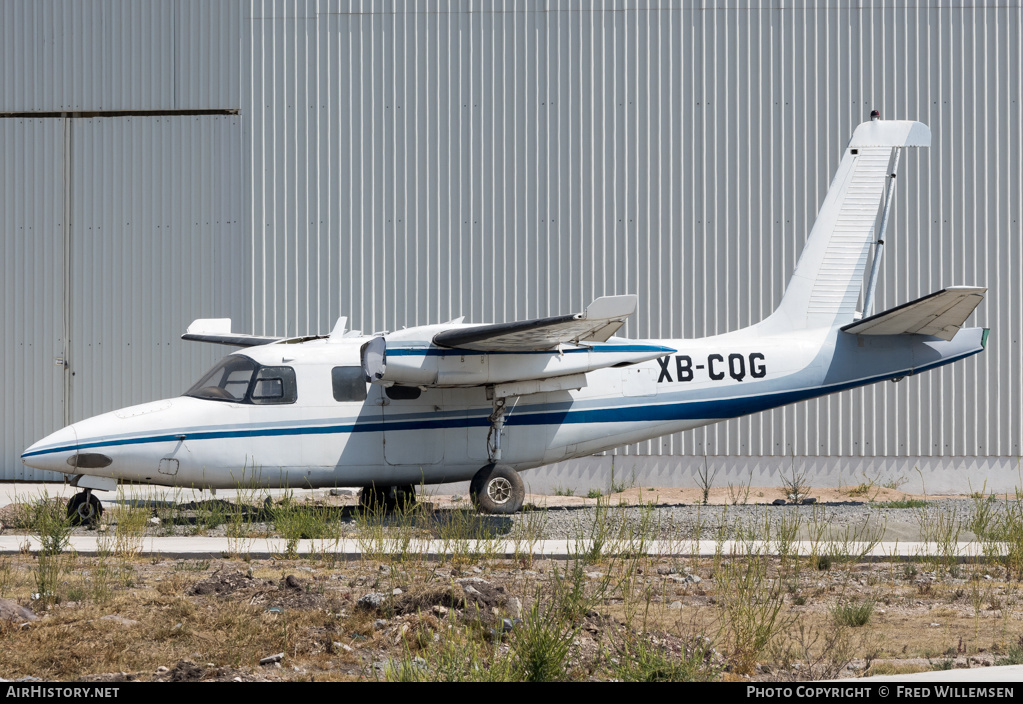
[{"x": 399, "y": 362}]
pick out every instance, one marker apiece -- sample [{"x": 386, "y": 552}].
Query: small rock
[
  {"x": 471, "y": 580},
  {"x": 271, "y": 659},
  {"x": 456, "y": 498},
  {"x": 344, "y": 492},
  {"x": 162, "y": 670},
  {"x": 694, "y": 578},
  {"x": 396, "y": 592},
  {"x": 477, "y": 570},
  {"x": 594, "y": 575},
  {"x": 372, "y": 601},
  {"x": 665, "y": 571},
  {"x": 13, "y": 612},
  {"x": 293, "y": 582},
  {"x": 379, "y": 624},
  {"x": 675, "y": 606},
  {"x": 440, "y": 610},
  {"x": 808, "y": 501},
  {"x": 514, "y": 606},
  {"x": 120, "y": 620},
  {"x": 779, "y": 502},
  {"x": 154, "y": 521}
]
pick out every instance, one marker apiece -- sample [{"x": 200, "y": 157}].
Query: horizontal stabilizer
[
  {"x": 601, "y": 319},
  {"x": 218, "y": 331},
  {"x": 940, "y": 314}
]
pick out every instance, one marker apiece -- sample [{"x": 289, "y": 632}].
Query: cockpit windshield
[{"x": 239, "y": 379}]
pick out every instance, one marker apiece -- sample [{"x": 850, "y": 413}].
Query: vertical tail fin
[{"x": 825, "y": 287}]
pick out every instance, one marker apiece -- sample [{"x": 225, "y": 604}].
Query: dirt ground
[{"x": 474, "y": 615}]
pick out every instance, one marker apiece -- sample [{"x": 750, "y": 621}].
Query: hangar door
[
  {"x": 32, "y": 226},
  {"x": 117, "y": 232}
]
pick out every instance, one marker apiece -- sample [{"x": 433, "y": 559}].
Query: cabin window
[
  {"x": 274, "y": 385},
  {"x": 403, "y": 393},
  {"x": 349, "y": 383}
]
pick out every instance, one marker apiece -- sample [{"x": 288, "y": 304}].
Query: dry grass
[{"x": 158, "y": 616}]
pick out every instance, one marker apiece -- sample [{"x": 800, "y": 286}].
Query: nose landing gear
[{"x": 84, "y": 509}]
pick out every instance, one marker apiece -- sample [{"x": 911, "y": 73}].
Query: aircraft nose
[{"x": 53, "y": 451}]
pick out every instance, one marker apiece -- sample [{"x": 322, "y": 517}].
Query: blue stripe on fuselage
[{"x": 714, "y": 409}]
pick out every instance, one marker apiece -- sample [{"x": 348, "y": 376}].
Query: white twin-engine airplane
[{"x": 451, "y": 402}]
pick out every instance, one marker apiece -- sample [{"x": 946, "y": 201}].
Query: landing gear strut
[
  {"x": 84, "y": 509},
  {"x": 497, "y": 488}
]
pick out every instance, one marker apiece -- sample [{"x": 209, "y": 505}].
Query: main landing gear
[
  {"x": 387, "y": 498},
  {"x": 497, "y": 488},
  {"x": 84, "y": 509}
]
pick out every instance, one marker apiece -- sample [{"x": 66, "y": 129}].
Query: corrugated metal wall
[
  {"x": 68, "y": 55},
  {"x": 418, "y": 161},
  {"x": 408, "y": 162}
]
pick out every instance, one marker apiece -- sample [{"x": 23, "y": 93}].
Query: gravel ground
[
  {"x": 569, "y": 518},
  {"x": 734, "y": 522}
]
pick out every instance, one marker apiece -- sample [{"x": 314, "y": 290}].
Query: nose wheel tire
[
  {"x": 84, "y": 509},
  {"x": 497, "y": 489}
]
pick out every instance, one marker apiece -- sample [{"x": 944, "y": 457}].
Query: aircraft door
[{"x": 414, "y": 425}]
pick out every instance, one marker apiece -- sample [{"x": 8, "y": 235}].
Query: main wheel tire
[
  {"x": 499, "y": 490},
  {"x": 84, "y": 509},
  {"x": 387, "y": 498}
]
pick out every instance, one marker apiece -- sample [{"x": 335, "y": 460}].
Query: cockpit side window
[
  {"x": 228, "y": 380},
  {"x": 349, "y": 383},
  {"x": 239, "y": 379}
]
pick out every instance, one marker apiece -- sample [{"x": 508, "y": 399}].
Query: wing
[
  {"x": 597, "y": 323},
  {"x": 940, "y": 314},
  {"x": 218, "y": 331},
  {"x": 533, "y": 356}
]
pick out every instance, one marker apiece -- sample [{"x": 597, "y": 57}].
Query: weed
[
  {"x": 1014, "y": 656},
  {"x": 753, "y": 606},
  {"x": 541, "y": 644},
  {"x": 559, "y": 491},
  {"x": 638, "y": 660},
  {"x": 594, "y": 494},
  {"x": 862, "y": 490},
  {"x": 130, "y": 528},
  {"x": 821, "y": 563},
  {"x": 853, "y": 614},
  {"x": 705, "y": 480},
  {"x": 795, "y": 485},
  {"x": 7, "y": 576},
  {"x": 51, "y": 523},
  {"x": 456, "y": 658},
  {"x": 50, "y": 575},
  {"x": 822, "y": 653},
  {"x": 902, "y": 503},
  {"x": 739, "y": 495}
]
